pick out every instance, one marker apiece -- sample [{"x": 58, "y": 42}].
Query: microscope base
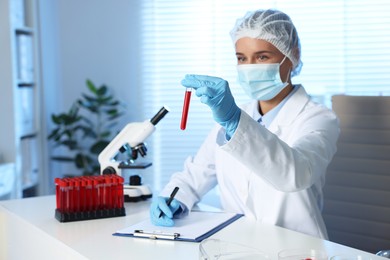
[{"x": 135, "y": 193}]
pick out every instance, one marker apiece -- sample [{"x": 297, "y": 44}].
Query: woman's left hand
[{"x": 215, "y": 93}]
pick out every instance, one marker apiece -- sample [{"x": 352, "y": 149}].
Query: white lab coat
[{"x": 274, "y": 175}]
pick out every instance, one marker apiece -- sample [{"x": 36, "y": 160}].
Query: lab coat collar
[{"x": 291, "y": 109}]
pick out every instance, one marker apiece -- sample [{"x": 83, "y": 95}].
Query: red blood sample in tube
[
  {"x": 58, "y": 196},
  {"x": 83, "y": 201},
  {"x": 94, "y": 193},
  {"x": 64, "y": 195},
  {"x": 76, "y": 194},
  {"x": 112, "y": 192},
  {"x": 114, "y": 195},
  {"x": 89, "y": 194},
  {"x": 67, "y": 196},
  {"x": 121, "y": 198},
  {"x": 107, "y": 192},
  {"x": 186, "y": 106},
  {"x": 71, "y": 194}
]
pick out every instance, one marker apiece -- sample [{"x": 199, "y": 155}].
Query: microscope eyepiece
[{"x": 160, "y": 114}]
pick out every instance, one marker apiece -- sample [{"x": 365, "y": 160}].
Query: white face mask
[{"x": 261, "y": 81}]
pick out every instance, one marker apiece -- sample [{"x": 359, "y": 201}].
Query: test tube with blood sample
[
  {"x": 58, "y": 193},
  {"x": 186, "y": 107}
]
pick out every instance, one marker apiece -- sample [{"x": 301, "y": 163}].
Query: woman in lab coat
[{"x": 269, "y": 157}]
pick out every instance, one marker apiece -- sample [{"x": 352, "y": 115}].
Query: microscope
[{"x": 121, "y": 153}]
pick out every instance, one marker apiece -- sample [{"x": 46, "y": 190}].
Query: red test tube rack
[{"x": 89, "y": 197}]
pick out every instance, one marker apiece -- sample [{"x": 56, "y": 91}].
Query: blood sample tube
[
  {"x": 67, "y": 196},
  {"x": 83, "y": 199},
  {"x": 112, "y": 192},
  {"x": 88, "y": 194},
  {"x": 58, "y": 194},
  {"x": 107, "y": 192},
  {"x": 76, "y": 194},
  {"x": 64, "y": 195},
  {"x": 95, "y": 193},
  {"x": 121, "y": 198},
  {"x": 114, "y": 195},
  {"x": 101, "y": 192},
  {"x": 186, "y": 106},
  {"x": 71, "y": 197}
]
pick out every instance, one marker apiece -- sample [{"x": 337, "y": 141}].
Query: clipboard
[{"x": 195, "y": 227}]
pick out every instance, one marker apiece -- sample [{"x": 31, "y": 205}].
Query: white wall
[
  {"x": 99, "y": 40},
  {"x": 91, "y": 39}
]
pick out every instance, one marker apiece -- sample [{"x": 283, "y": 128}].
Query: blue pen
[{"x": 173, "y": 194}]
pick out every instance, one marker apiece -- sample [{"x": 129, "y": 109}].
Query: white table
[{"x": 28, "y": 230}]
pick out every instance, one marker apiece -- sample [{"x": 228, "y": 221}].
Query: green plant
[{"x": 87, "y": 128}]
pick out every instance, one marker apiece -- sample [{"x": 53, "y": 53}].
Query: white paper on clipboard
[{"x": 195, "y": 227}]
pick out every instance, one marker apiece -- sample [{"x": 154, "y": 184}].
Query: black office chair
[{"x": 356, "y": 205}]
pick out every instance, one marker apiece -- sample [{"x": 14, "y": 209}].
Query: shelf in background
[
  {"x": 23, "y": 84},
  {"x": 24, "y": 30}
]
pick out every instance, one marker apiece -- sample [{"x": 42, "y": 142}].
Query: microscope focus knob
[
  {"x": 109, "y": 170},
  {"x": 141, "y": 149}
]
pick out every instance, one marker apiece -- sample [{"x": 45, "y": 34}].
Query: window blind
[{"x": 344, "y": 50}]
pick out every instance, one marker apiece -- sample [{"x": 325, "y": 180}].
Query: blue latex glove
[
  {"x": 215, "y": 93},
  {"x": 160, "y": 205}
]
